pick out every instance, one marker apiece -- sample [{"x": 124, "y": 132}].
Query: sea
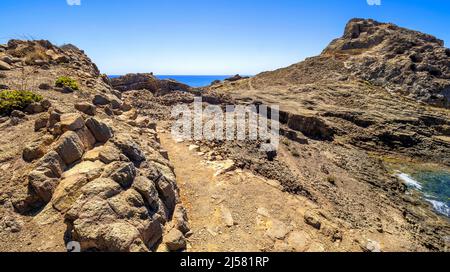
[
  {"x": 193, "y": 81},
  {"x": 434, "y": 186}
]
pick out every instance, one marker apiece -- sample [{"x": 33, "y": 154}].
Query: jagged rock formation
[
  {"x": 404, "y": 61},
  {"x": 83, "y": 158}
]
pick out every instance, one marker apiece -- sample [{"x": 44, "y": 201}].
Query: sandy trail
[{"x": 237, "y": 211}]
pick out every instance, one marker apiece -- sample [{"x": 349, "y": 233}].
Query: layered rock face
[
  {"x": 84, "y": 159},
  {"x": 404, "y": 61}
]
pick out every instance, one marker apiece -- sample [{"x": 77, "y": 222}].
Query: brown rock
[
  {"x": 41, "y": 122},
  {"x": 100, "y": 130},
  {"x": 86, "y": 108},
  {"x": 175, "y": 240},
  {"x": 313, "y": 219},
  {"x": 70, "y": 147},
  {"x": 121, "y": 172},
  {"x": 4, "y": 66},
  {"x": 71, "y": 121},
  {"x": 86, "y": 138},
  {"x": 33, "y": 151}
]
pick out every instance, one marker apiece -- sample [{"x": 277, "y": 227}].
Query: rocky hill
[
  {"x": 403, "y": 61},
  {"x": 80, "y": 164},
  {"x": 374, "y": 101}
]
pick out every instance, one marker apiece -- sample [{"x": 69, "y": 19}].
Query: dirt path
[{"x": 238, "y": 211}]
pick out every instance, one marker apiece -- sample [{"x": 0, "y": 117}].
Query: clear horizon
[{"x": 199, "y": 37}]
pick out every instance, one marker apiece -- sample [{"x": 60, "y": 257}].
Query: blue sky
[{"x": 206, "y": 36}]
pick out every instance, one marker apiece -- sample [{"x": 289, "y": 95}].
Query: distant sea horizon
[{"x": 191, "y": 80}]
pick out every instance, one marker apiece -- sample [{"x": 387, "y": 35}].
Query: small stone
[
  {"x": 313, "y": 219},
  {"x": 175, "y": 240},
  {"x": 41, "y": 122},
  {"x": 278, "y": 230},
  {"x": 371, "y": 246},
  {"x": 46, "y": 104},
  {"x": 299, "y": 241},
  {"x": 45, "y": 86},
  {"x": 194, "y": 148},
  {"x": 227, "y": 216}
]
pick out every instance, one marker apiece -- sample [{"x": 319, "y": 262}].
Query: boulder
[
  {"x": 122, "y": 237},
  {"x": 105, "y": 153},
  {"x": 227, "y": 217},
  {"x": 46, "y": 176},
  {"x": 70, "y": 147},
  {"x": 68, "y": 191},
  {"x": 102, "y": 187},
  {"x": 101, "y": 100},
  {"x": 33, "y": 151},
  {"x": 4, "y": 66},
  {"x": 71, "y": 121},
  {"x": 168, "y": 191},
  {"x": 86, "y": 108},
  {"x": 180, "y": 219},
  {"x": 34, "y": 108},
  {"x": 371, "y": 246},
  {"x": 41, "y": 122},
  {"x": 194, "y": 148},
  {"x": 100, "y": 130},
  {"x": 54, "y": 163},
  {"x": 121, "y": 172},
  {"x": 175, "y": 240},
  {"x": 54, "y": 118},
  {"x": 92, "y": 169},
  {"x": 130, "y": 148},
  {"x": 86, "y": 138},
  {"x": 148, "y": 190},
  {"x": 277, "y": 230},
  {"x": 43, "y": 184},
  {"x": 18, "y": 114}
]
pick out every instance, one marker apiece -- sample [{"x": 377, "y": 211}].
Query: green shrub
[
  {"x": 11, "y": 100},
  {"x": 67, "y": 82}
]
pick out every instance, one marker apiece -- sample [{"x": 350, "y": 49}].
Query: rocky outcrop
[
  {"x": 235, "y": 78},
  {"x": 113, "y": 196},
  {"x": 404, "y": 61},
  {"x": 148, "y": 82}
]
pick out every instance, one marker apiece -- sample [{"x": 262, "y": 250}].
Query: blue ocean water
[
  {"x": 193, "y": 81},
  {"x": 435, "y": 186}
]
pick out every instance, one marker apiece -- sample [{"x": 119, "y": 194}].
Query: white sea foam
[
  {"x": 441, "y": 207},
  {"x": 410, "y": 181}
]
